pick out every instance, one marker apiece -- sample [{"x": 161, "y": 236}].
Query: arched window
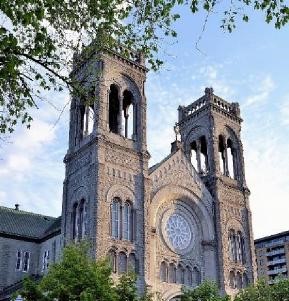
[
  {"x": 199, "y": 155},
  {"x": 245, "y": 281},
  {"x": 232, "y": 280},
  {"x": 232, "y": 245},
  {"x": 203, "y": 155},
  {"x": 112, "y": 260},
  {"x": 115, "y": 218},
  {"x": 172, "y": 273},
  {"x": 85, "y": 220},
  {"x": 194, "y": 159},
  {"x": 128, "y": 114},
  {"x": 132, "y": 263},
  {"x": 74, "y": 221},
  {"x": 26, "y": 261},
  {"x": 81, "y": 219},
  {"x": 239, "y": 280},
  {"x": 114, "y": 106},
  {"x": 86, "y": 119},
  {"x": 164, "y": 272},
  {"x": 222, "y": 155},
  {"x": 239, "y": 247},
  {"x": 122, "y": 263},
  {"x": 127, "y": 221},
  {"x": 180, "y": 275},
  {"x": 18, "y": 260},
  {"x": 231, "y": 160},
  {"x": 196, "y": 276},
  {"x": 188, "y": 276}
]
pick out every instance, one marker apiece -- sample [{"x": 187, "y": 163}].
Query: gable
[{"x": 177, "y": 170}]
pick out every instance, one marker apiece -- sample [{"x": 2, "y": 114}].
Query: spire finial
[
  {"x": 209, "y": 91},
  {"x": 177, "y": 131}
]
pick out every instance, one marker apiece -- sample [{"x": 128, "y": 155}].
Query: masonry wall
[{"x": 8, "y": 252}]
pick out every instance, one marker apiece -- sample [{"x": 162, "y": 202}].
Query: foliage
[
  {"x": 207, "y": 291},
  {"x": 38, "y": 39},
  {"x": 79, "y": 278},
  {"x": 261, "y": 291},
  {"x": 264, "y": 292}
]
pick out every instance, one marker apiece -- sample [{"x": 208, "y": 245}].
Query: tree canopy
[
  {"x": 261, "y": 291},
  {"x": 77, "y": 277},
  {"x": 39, "y": 37}
]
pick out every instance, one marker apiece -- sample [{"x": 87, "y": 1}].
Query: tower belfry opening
[
  {"x": 128, "y": 114},
  {"x": 114, "y": 116}
]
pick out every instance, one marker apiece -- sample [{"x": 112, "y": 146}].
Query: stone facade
[
  {"x": 181, "y": 221},
  {"x": 107, "y": 164}
]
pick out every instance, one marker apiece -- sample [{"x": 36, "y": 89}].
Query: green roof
[{"x": 27, "y": 224}]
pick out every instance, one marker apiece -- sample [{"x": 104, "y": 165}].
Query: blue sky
[{"x": 250, "y": 66}]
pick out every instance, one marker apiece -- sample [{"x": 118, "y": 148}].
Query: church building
[{"x": 177, "y": 223}]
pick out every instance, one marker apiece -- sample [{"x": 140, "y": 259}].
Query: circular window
[{"x": 178, "y": 232}]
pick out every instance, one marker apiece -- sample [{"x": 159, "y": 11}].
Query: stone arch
[
  {"x": 193, "y": 203},
  {"x": 122, "y": 192},
  {"x": 235, "y": 227},
  {"x": 171, "y": 294},
  {"x": 79, "y": 197},
  {"x": 127, "y": 83},
  {"x": 125, "y": 86},
  {"x": 196, "y": 132},
  {"x": 80, "y": 193},
  {"x": 233, "y": 153}
]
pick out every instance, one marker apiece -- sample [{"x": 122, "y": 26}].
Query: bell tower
[
  {"x": 210, "y": 131},
  {"x": 107, "y": 160}
]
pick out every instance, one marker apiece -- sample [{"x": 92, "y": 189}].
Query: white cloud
[
  {"x": 262, "y": 89},
  {"x": 284, "y": 109}
]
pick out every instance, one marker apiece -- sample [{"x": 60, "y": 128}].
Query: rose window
[{"x": 178, "y": 232}]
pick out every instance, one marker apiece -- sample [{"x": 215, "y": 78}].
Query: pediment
[{"x": 177, "y": 170}]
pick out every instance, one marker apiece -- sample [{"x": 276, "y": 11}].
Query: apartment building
[{"x": 272, "y": 255}]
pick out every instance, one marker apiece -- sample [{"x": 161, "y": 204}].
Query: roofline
[
  {"x": 269, "y": 237},
  {"x": 29, "y": 212},
  {"x": 36, "y": 240}
]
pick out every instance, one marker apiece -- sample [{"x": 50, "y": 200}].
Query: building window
[
  {"x": 18, "y": 261},
  {"x": 122, "y": 113},
  {"x": 245, "y": 280},
  {"x": 231, "y": 159},
  {"x": 79, "y": 220},
  {"x": 132, "y": 263},
  {"x": 180, "y": 275},
  {"x": 237, "y": 247},
  {"x": 196, "y": 276},
  {"x": 112, "y": 260},
  {"x": 232, "y": 245},
  {"x": 164, "y": 272},
  {"x": 199, "y": 155},
  {"x": 115, "y": 218},
  {"x": 188, "y": 276},
  {"x": 232, "y": 280},
  {"x": 45, "y": 260},
  {"x": 54, "y": 251},
  {"x": 74, "y": 221},
  {"x": 26, "y": 261},
  {"x": 122, "y": 219},
  {"x": 127, "y": 220},
  {"x": 128, "y": 114},
  {"x": 122, "y": 263},
  {"x": 172, "y": 273},
  {"x": 114, "y": 106},
  {"x": 239, "y": 280}
]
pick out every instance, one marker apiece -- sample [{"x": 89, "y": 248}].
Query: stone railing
[
  {"x": 209, "y": 99},
  {"x": 132, "y": 55}
]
